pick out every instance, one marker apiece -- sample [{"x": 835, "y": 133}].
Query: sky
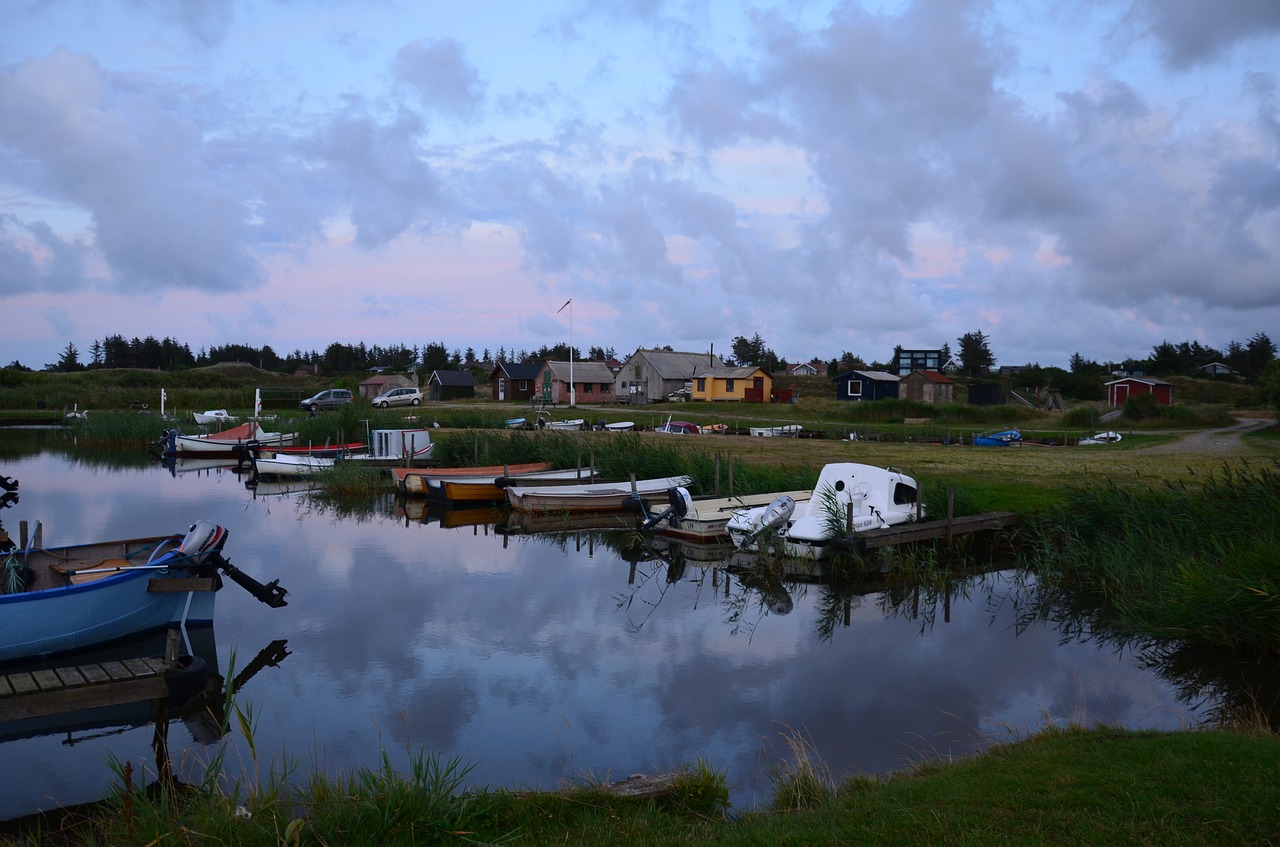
[{"x": 1086, "y": 176}]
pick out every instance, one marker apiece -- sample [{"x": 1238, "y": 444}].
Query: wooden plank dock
[
  {"x": 49, "y": 691},
  {"x": 939, "y": 530},
  {"x": 30, "y": 694}
]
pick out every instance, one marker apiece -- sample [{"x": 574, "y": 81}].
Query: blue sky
[{"x": 1093, "y": 176}]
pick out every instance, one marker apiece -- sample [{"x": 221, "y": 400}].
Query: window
[
  {"x": 702, "y": 384},
  {"x": 522, "y": 385},
  {"x": 728, "y": 386},
  {"x": 588, "y": 387},
  {"x": 604, "y": 387},
  {"x": 855, "y": 388}
]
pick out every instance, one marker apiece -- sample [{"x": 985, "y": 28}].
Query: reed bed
[{"x": 1193, "y": 563}]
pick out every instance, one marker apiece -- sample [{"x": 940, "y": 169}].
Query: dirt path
[{"x": 1225, "y": 442}]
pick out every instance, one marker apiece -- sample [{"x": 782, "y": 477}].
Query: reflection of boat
[
  {"x": 8, "y": 483},
  {"x": 1108, "y": 437},
  {"x": 1001, "y": 438},
  {"x": 187, "y": 464},
  {"x": 60, "y": 599},
  {"x": 414, "y": 480},
  {"x": 593, "y": 496},
  {"x": 229, "y": 442},
  {"x": 516, "y": 523},
  {"x": 280, "y": 486},
  {"x": 848, "y": 498},
  {"x": 214, "y": 416},
  {"x": 421, "y": 511},
  {"x": 785, "y": 431}
]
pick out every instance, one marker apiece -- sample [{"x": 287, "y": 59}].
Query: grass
[{"x": 1073, "y": 785}]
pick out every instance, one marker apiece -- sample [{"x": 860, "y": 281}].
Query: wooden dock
[
  {"x": 50, "y": 691},
  {"x": 939, "y": 530}
]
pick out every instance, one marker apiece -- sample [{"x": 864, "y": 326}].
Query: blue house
[{"x": 865, "y": 385}]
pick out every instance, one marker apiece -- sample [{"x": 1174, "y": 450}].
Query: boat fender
[{"x": 187, "y": 679}]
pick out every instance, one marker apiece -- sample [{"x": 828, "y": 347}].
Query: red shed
[{"x": 1120, "y": 390}]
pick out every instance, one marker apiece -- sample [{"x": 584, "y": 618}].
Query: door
[{"x": 502, "y": 388}]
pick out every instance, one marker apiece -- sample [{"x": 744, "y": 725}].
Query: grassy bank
[{"x": 1067, "y": 786}]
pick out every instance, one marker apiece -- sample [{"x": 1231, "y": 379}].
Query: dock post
[
  {"x": 951, "y": 509},
  {"x": 731, "y": 477},
  {"x": 22, "y": 534},
  {"x": 717, "y": 485}
]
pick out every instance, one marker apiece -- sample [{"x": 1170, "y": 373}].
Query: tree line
[{"x": 973, "y": 357}]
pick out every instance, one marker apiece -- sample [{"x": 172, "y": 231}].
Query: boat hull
[
  {"x": 598, "y": 497},
  {"x": 414, "y": 480},
  {"x": 60, "y": 618}
]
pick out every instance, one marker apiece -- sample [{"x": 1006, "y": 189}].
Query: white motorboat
[
  {"x": 786, "y": 431},
  {"x": 1108, "y": 437},
  {"x": 275, "y": 465},
  {"x": 229, "y": 442},
  {"x": 214, "y": 416},
  {"x": 849, "y": 498}
]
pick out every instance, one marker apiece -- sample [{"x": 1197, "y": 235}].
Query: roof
[
  {"x": 672, "y": 365},
  {"x": 729, "y": 373},
  {"x": 518, "y": 370},
  {"x": 454, "y": 379},
  {"x": 1145, "y": 379},
  {"x": 383, "y": 379},
  {"x": 932, "y": 376},
  {"x": 875, "y": 376},
  {"x": 582, "y": 371}
]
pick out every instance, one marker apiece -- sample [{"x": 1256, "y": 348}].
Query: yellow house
[{"x": 732, "y": 385}]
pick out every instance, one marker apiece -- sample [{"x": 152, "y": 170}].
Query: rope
[{"x": 15, "y": 576}]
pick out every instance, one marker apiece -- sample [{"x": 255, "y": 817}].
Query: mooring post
[
  {"x": 951, "y": 509},
  {"x": 717, "y": 486}
]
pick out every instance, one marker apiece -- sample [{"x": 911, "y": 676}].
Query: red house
[{"x": 1120, "y": 390}]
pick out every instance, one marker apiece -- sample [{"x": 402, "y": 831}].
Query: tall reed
[{"x": 1187, "y": 562}]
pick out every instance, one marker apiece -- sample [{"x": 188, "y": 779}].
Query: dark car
[{"x": 330, "y": 398}]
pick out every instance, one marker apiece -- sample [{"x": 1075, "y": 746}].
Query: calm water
[{"x": 541, "y": 658}]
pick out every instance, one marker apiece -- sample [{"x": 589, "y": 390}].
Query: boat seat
[{"x": 73, "y": 574}]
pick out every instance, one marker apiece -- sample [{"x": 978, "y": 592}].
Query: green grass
[{"x": 1095, "y": 786}]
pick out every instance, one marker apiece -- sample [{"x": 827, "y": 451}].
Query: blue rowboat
[{"x": 60, "y": 599}]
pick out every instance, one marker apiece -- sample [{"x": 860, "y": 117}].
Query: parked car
[
  {"x": 330, "y": 398},
  {"x": 398, "y": 397}
]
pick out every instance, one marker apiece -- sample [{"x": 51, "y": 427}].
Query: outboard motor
[
  {"x": 681, "y": 504},
  {"x": 203, "y": 539},
  {"x": 775, "y": 515}
]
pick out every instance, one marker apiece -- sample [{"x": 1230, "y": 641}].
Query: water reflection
[{"x": 542, "y": 651}]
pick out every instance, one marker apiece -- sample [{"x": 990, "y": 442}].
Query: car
[
  {"x": 330, "y": 398},
  {"x": 398, "y": 397}
]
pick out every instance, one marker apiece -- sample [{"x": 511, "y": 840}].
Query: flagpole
[{"x": 573, "y": 394}]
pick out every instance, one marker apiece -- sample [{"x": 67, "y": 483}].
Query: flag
[{"x": 566, "y": 303}]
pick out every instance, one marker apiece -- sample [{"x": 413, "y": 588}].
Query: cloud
[
  {"x": 161, "y": 216},
  {"x": 437, "y": 71},
  {"x": 1192, "y": 32}
]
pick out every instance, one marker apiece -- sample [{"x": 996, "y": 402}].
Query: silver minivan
[{"x": 330, "y": 398}]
